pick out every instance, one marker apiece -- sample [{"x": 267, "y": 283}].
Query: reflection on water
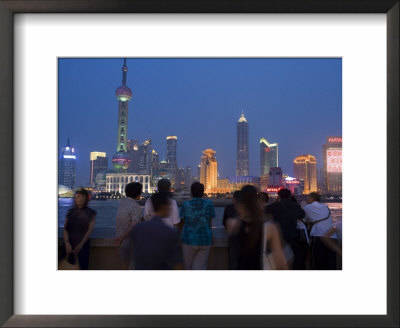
[{"x": 107, "y": 210}]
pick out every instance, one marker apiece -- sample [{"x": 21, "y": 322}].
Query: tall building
[
  {"x": 155, "y": 163},
  {"x": 268, "y": 156},
  {"x": 145, "y": 157},
  {"x": 132, "y": 146},
  {"x": 188, "y": 177},
  {"x": 242, "y": 147},
  {"x": 121, "y": 159},
  {"x": 209, "y": 170},
  {"x": 305, "y": 168},
  {"x": 172, "y": 158},
  {"x": 98, "y": 163},
  {"x": 332, "y": 169},
  {"x": 67, "y": 167},
  {"x": 275, "y": 176}
]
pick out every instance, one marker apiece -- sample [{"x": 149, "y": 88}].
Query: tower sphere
[
  {"x": 123, "y": 93},
  {"x": 121, "y": 160}
]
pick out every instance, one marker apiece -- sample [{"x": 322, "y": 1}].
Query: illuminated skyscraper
[
  {"x": 145, "y": 157},
  {"x": 242, "y": 147},
  {"x": 67, "y": 167},
  {"x": 98, "y": 163},
  {"x": 132, "y": 146},
  {"x": 121, "y": 159},
  {"x": 268, "y": 156},
  {"x": 305, "y": 168},
  {"x": 172, "y": 163},
  {"x": 188, "y": 177},
  {"x": 209, "y": 170},
  {"x": 332, "y": 169}
]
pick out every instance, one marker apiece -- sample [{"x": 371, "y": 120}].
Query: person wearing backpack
[{"x": 318, "y": 217}]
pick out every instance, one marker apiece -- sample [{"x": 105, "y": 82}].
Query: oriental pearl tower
[{"x": 121, "y": 159}]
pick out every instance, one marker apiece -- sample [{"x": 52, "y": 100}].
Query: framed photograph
[{"x": 107, "y": 104}]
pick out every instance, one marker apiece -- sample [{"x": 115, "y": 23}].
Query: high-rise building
[
  {"x": 188, "y": 177},
  {"x": 275, "y": 176},
  {"x": 155, "y": 163},
  {"x": 145, "y": 157},
  {"x": 67, "y": 167},
  {"x": 305, "y": 168},
  {"x": 172, "y": 158},
  {"x": 122, "y": 159},
  {"x": 98, "y": 163},
  {"x": 268, "y": 156},
  {"x": 242, "y": 147},
  {"x": 132, "y": 146},
  {"x": 332, "y": 169},
  {"x": 209, "y": 170}
]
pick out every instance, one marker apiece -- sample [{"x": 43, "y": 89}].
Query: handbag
[{"x": 65, "y": 265}]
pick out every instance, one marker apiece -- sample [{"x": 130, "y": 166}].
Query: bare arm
[
  {"x": 329, "y": 242},
  {"x": 86, "y": 236},
  {"x": 276, "y": 248}
]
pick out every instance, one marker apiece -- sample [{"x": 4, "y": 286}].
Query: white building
[{"x": 116, "y": 182}]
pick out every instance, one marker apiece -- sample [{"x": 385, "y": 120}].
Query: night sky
[{"x": 295, "y": 102}]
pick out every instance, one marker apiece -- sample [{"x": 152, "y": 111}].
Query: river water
[{"x": 107, "y": 209}]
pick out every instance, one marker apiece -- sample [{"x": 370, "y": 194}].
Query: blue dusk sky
[{"x": 295, "y": 102}]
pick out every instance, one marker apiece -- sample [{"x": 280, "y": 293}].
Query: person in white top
[
  {"x": 319, "y": 217},
  {"x": 163, "y": 185}
]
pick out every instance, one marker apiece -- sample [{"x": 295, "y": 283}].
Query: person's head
[
  {"x": 250, "y": 211},
  {"x": 284, "y": 194},
  {"x": 236, "y": 196},
  {"x": 248, "y": 203},
  {"x": 164, "y": 185},
  {"x": 197, "y": 189},
  {"x": 81, "y": 198},
  {"x": 313, "y": 197},
  {"x": 262, "y": 199},
  {"x": 133, "y": 190},
  {"x": 293, "y": 199},
  {"x": 161, "y": 204}
]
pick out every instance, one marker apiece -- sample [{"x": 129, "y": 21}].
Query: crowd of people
[{"x": 263, "y": 234}]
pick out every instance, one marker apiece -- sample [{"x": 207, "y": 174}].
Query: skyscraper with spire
[
  {"x": 242, "y": 147},
  {"x": 122, "y": 159}
]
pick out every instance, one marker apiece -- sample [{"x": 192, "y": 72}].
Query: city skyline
[{"x": 207, "y": 128}]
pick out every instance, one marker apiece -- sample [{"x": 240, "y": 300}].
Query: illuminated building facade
[
  {"x": 242, "y": 147},
  {"x": 145, "y": 157},
  {"x": 98, "y": 163},
  {"x": 67, "y": 167},
  {"x": 238, "y": 182},
  {"x": 294, "y": 185},
  {"x": 209, "y": 170},
  {"x": 132, "y": 146},
  {"x": 305, "y": 168},
  {"x": 332, "y": 168},
  {"x": 116, "y": 182},
  {"x": 122, "y": 159},
  {"x": 268, "y": 156},
  {"x": 172, "y": 163}
]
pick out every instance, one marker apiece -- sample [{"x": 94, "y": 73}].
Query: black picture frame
[{"x": 7, "y": 10}]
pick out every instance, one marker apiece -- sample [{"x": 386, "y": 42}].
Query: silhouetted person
[
  {"x": 78, "y": 226},
  {"x": 196, "y": 217},
  {"x": 318, "y": 215},
  {"x": 233, "y": 243},
  {"x": 155, "y": 245},
  {"x": 249, "y": 230},
  {"x": 286, "y": 213},
  {"x": 129, "y": 213},
  {"x": 163, "y": 185}
]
